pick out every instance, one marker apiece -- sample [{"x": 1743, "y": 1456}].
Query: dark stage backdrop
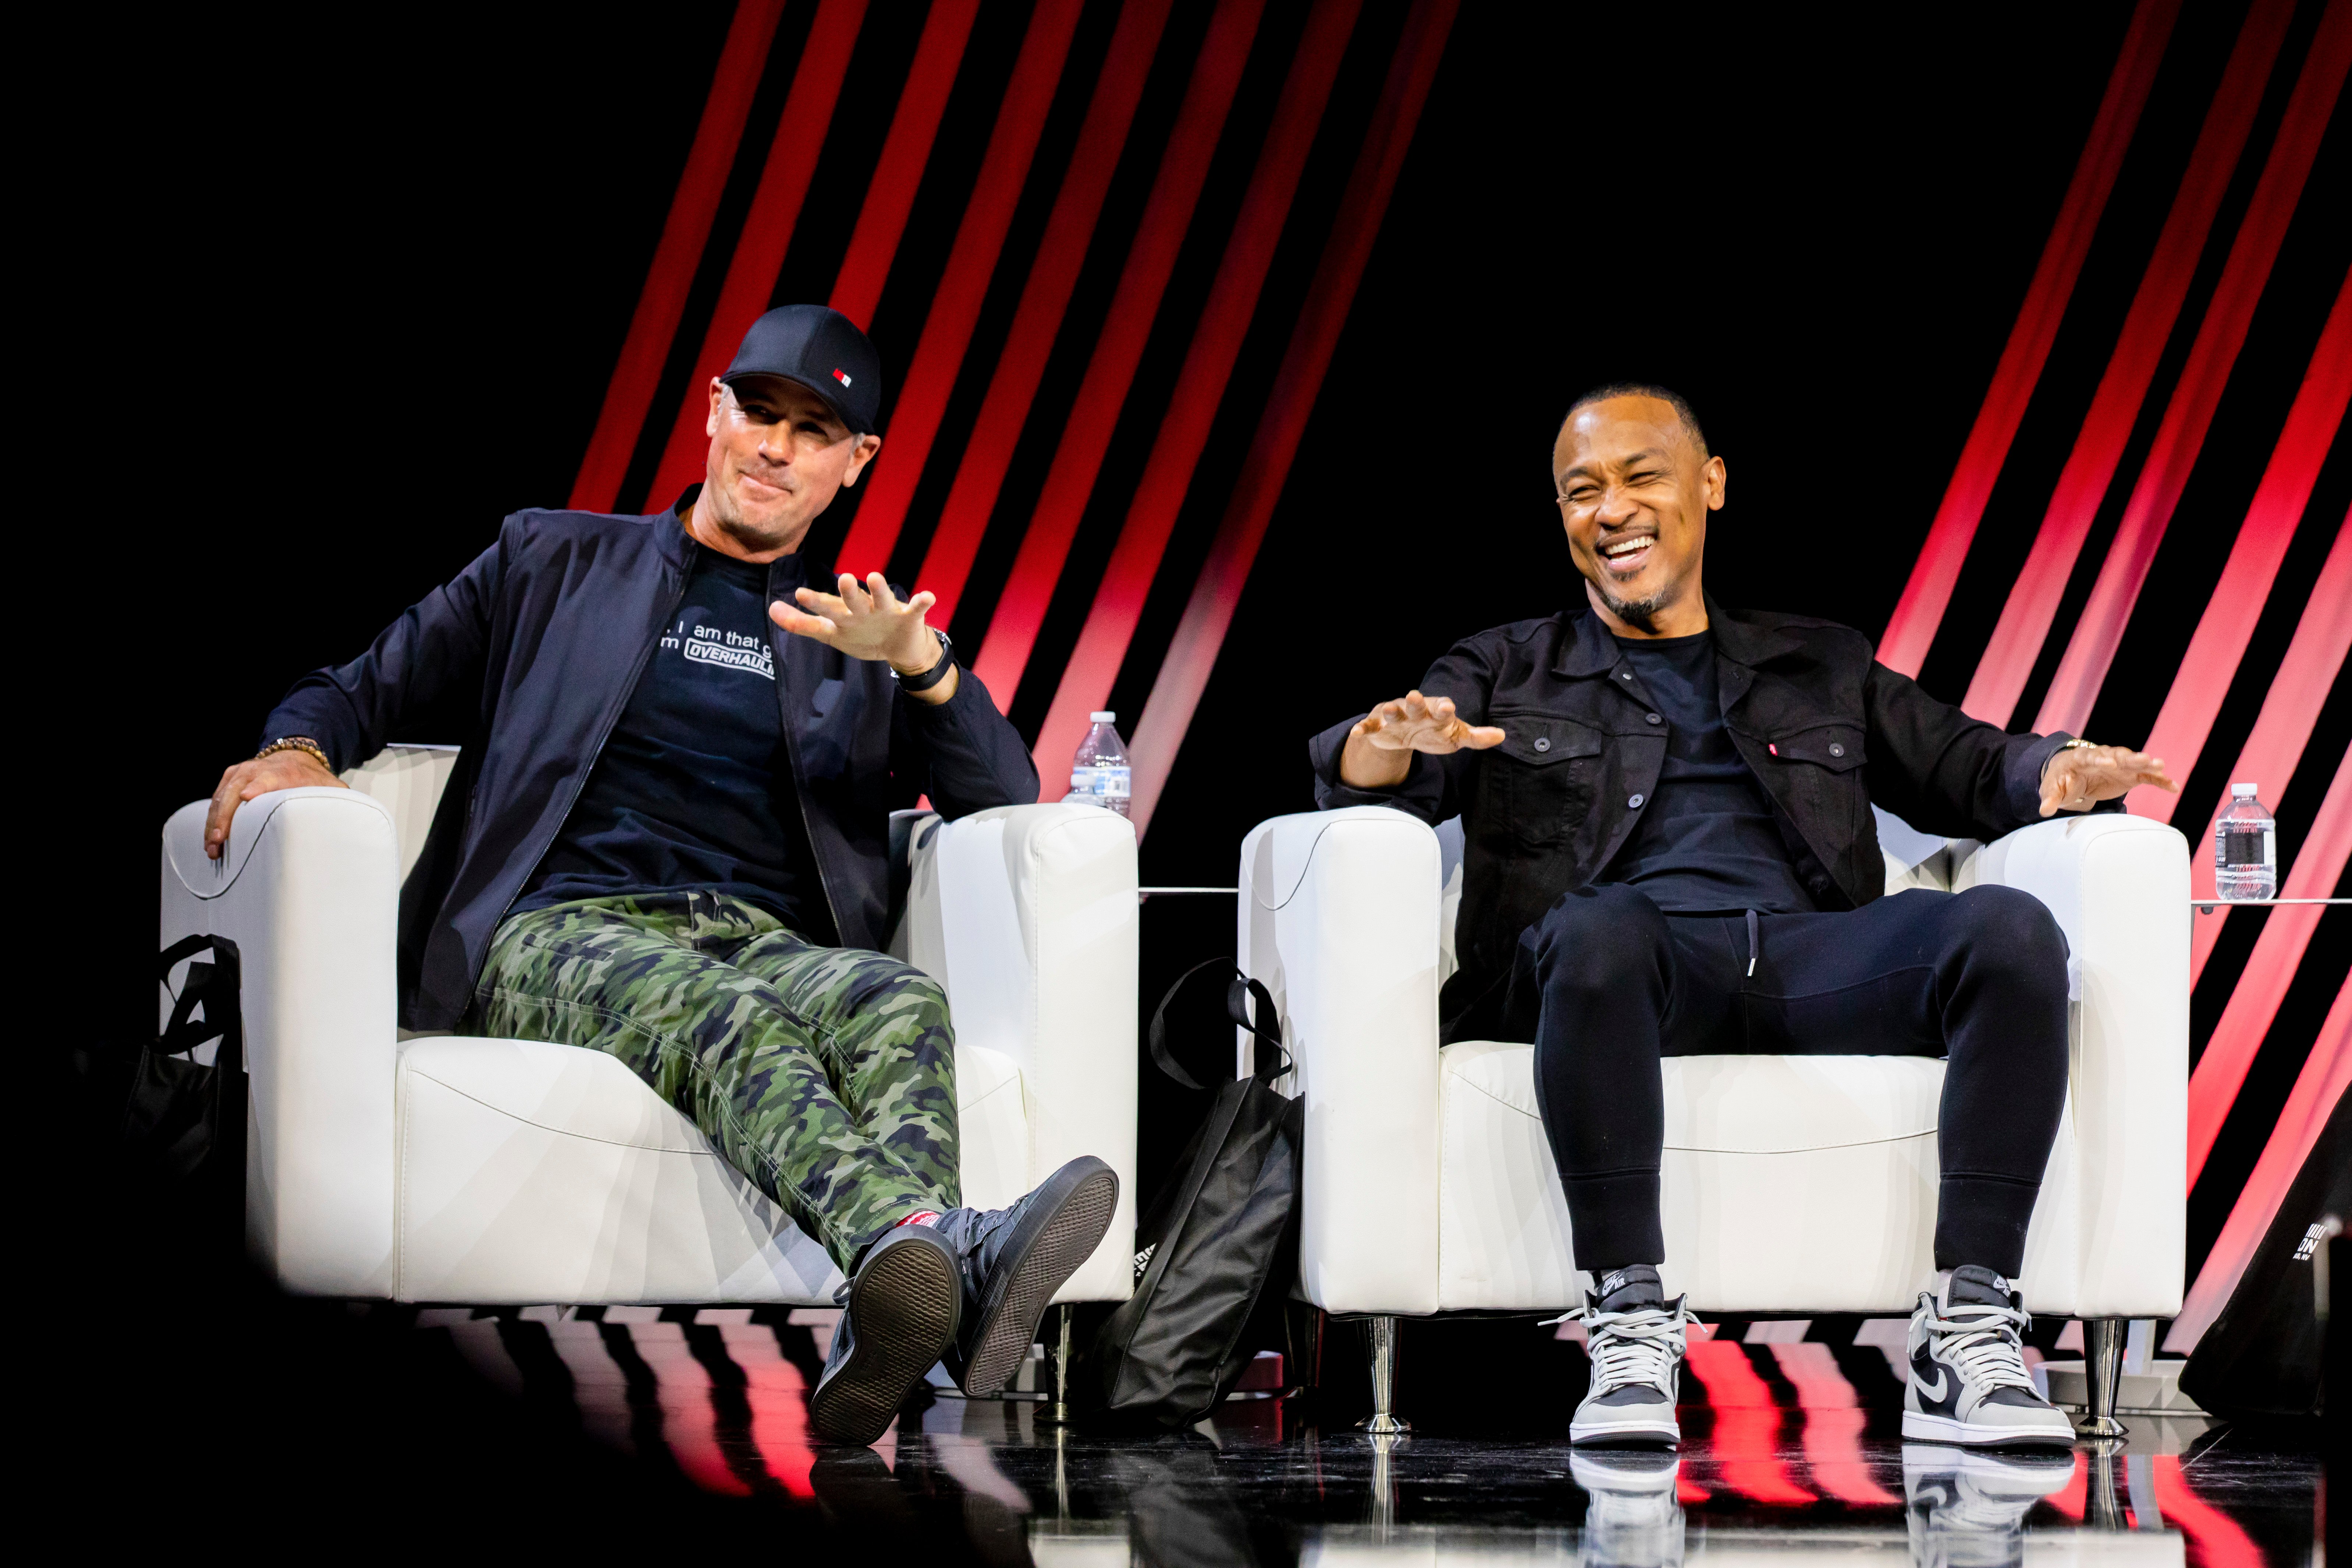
[{"x": 1226, "y": 342}]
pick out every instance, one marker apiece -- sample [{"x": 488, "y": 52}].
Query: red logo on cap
[{"x": 839, "y": 376}]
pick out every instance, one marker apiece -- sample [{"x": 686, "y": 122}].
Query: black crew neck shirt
[
  {"x": 1707, "y": 842},
  {"x": 694, "y": 788}
]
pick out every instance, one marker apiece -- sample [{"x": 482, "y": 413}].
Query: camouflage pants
[{"x": 826, "y": 1075}]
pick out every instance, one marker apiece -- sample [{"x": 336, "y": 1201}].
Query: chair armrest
[
  {"x": 2119, "y": 889},
  {"x": 1028, "y": 916},
  {"x": 309, "y": 892},
  {"x": 1339, "y": 919}
]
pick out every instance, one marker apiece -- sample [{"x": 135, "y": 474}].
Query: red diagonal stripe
[
  {"x": 2228, "y": 623},
  {"x": 1929, "y": 589},
  {"x": 2008, "y": 659},
  {"x": 1217, "y": 337},
  {"x": 1746, "y": 1439},
  {"x": 2198, "y": 394},
  {"x": 1834, "y": 1420},
  {"x": 1013, "y": 385},
  {"x": 914, "y": 125},
  {"x": 2254, "y": 1002},
  {"x": 1192, "y": 655},
  {"x": 2283, "y": 728},
  {"x": 2318, "y": 1088},
  {"x": 1167, "y": 213},
  {"x": 742, "y": 60},
  {"x": 767, "y": 232},
  {"x": 922, "y": 399}
]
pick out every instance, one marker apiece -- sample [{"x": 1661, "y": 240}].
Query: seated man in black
[
  {"x": 667, "y": 839},
  {"x": 1670, "y": 851}
]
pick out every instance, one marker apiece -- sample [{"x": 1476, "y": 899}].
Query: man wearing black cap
[{"x": 667, "y": 839}]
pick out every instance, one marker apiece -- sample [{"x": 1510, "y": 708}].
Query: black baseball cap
[{"x": 822, "y": 349}]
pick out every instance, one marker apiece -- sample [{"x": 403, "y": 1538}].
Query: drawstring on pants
[{"x": 1755, "y": 941}]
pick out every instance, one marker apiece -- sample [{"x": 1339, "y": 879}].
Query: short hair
[{"x": 1641, "y": 389}]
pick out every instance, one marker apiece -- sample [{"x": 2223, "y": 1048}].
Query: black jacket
[
  {"x": 1824, "y": 726},
  {"x": 552, "y": 627}
]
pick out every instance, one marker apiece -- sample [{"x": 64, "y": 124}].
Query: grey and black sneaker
[
  {"x": 1632, "y": 1517},
  {"x": 1011, "y": 1261},
  {"x": 1635, "y": 1339},
  {"x": 901, "y": 1313},
  {"x": 1969, "y": 1382},
  {"x": 1966, "y": 1507}
]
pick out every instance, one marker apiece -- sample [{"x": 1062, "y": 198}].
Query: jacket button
[
  {"x": 1543, "y": 742},
  {"x": 1635, "y": 802},
  {"x": 1657, "y": 718},
  {"x": 1837, "y": 751}
]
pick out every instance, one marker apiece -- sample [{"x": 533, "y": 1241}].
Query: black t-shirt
[
  {"x": 1707, "y": 844},
  {"x": 694, "y": 788}
]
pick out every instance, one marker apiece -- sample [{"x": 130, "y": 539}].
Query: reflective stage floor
[{"x": 692, "y": 1427}]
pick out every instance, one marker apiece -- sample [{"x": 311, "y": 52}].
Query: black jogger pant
[{"x": 1979, "y": 977}]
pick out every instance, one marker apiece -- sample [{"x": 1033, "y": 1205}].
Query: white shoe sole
[
  {"x": 1921, "y": 1427},
  {"x": 1626, "y": 1429}
]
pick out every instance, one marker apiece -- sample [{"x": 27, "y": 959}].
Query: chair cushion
[
  {"x": 539, "y": 1172},
  {"x": 1808, "y": 1180}
]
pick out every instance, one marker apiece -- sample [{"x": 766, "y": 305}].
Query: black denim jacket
[
  {"x": 1826, "y": 727},
  {"x": 548, "y": 631}
]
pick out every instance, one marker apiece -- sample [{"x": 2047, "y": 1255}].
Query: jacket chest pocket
[
  {"x": 1819, "y": 779},
  {"x": 1835, "y": 749},
  {"x": 1539, "y": 784}
]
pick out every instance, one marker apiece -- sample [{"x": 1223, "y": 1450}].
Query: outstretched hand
[
  {"x": 1380, "y": 748},
  {"x": 2073, "y": 779},
  {"x": 868, "y": 621}
]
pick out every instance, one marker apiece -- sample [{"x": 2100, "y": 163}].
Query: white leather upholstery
[
  {"x": 455, "y": 1168},
  {"x": 1791, "y": 1183}
]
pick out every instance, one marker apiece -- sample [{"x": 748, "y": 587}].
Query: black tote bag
[
  {"x": 1220, "y": 1241},
  {"x": 184, "y": 1126}
]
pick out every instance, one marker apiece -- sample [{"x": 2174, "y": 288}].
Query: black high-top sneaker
[
  {"x": 1966, "y": 1507},
  {"x": 1011, "y": 1261},
  {"x": 1634, "y": 1337},
  {"x": 1632, "y": 1517},
  {"x": 899, "y": 1314},
  {"x": 1968, "y": 1382}
]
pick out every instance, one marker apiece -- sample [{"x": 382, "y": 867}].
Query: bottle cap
[
  {"x": 2243, "y": 791},
  {"x": 1102, "y": 718}
]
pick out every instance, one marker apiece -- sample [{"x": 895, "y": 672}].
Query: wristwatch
[{"x": 932, "y": 677}]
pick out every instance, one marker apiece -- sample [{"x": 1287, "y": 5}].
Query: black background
[{"x": 336, "y": 298}]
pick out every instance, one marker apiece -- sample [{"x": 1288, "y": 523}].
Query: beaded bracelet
[{"x": 295, "y": 743}]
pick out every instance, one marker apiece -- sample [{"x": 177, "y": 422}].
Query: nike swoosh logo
[{"x": 1934, "y": 1394}]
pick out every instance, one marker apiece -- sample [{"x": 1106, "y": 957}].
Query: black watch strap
[{"x": 933, "y": 676}]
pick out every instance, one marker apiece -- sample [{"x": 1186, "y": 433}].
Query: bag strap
[
  {"x": 1238, "y": 997},
  {"x": 1157, "y": 1036},
  {"x": 214, "y": 986},
  {"x": 1239, "y": 993}
]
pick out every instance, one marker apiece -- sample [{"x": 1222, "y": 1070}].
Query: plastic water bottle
[
  {"x": 2245, "y": 848},
  {"x": 1098, "y": 774}
]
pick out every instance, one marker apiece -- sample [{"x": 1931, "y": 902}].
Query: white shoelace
[
  {"x": 1983, "y": 1345},
  {"x": 1637, "y": 1346}
]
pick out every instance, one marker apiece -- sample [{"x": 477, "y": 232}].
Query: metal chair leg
[
  {"x": 2103, "y": 1366},
  {"x": 1381, "y": 1334},
  {"x": 1055, "y": 1410}
]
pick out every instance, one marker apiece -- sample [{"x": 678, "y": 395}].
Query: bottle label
[
  {"x": 1106, "y": 784},
  {"x": 2245, "y": 846}
]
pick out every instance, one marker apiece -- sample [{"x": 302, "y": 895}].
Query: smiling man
[
  {"x": 667, "y": 839},
  {"x": 1669, "y": 850}
]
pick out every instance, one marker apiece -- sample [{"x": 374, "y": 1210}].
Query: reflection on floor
[{"x": 1791, "y": 1450}]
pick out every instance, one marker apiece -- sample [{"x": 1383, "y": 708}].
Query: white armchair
[
  {"x": 453, "y": 1168},
  {"x": 1792, "y": 1184}
]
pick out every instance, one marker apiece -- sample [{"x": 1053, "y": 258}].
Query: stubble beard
[{"x": 1641, "y": 614}]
